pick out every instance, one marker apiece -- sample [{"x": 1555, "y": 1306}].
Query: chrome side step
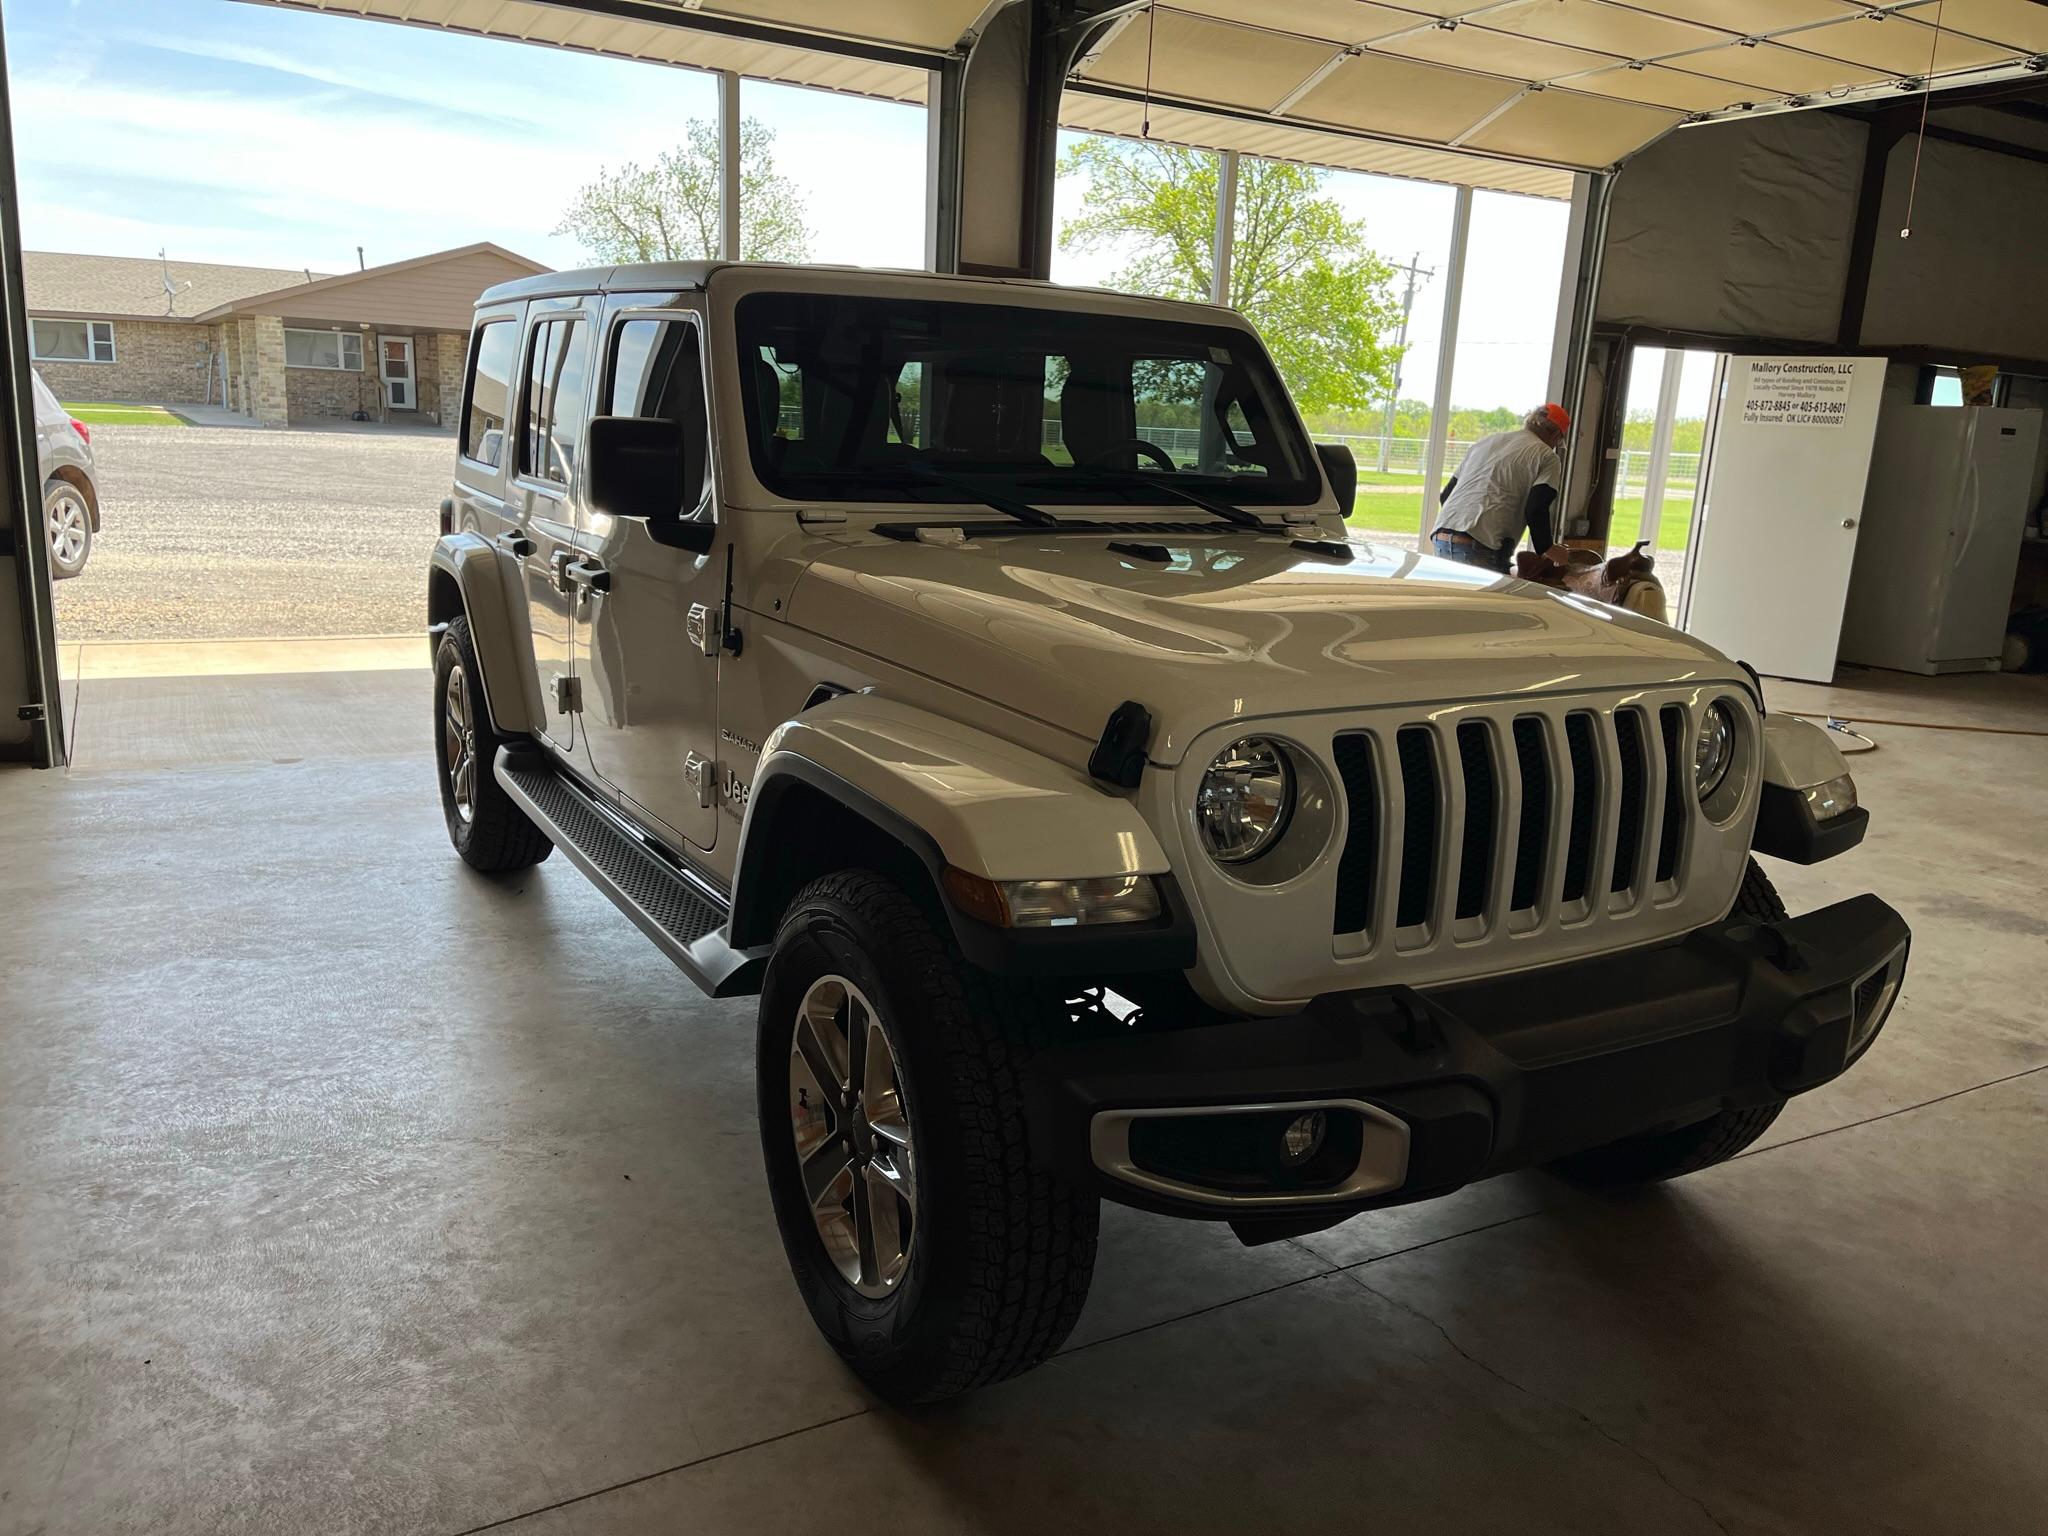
[{"x": 684, "y": 916}]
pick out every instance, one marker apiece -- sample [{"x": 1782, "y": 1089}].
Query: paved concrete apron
[{"x": 348, "y": 1191}]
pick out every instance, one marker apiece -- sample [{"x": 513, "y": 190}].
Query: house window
[
  {"x": 71, "y": 341},
  {"x": 323, "y": 349}
]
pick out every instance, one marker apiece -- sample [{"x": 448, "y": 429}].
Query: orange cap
[{"x": 1560, "y": 418}]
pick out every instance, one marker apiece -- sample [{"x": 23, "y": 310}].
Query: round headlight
[
  {"x": 1243, "y": 804},
  {"x": 1713, "y": 751}
]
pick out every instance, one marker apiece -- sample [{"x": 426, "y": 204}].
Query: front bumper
[{"x": 1468, "y": 1081}]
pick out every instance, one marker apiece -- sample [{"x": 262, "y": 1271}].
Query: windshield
[{"x": 862, "y": 399}]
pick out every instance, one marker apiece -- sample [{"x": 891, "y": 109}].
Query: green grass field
[
  {"x": 1379, "y": 512},
  {"x": 113, "y": 414}
]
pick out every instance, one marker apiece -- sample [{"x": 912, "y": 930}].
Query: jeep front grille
[{"x": 1498, "y": 819}]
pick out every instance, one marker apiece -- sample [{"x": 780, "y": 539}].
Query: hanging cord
[
  {"x": 1926, "y": 95},
  {"x": 1151, "y": 29}
]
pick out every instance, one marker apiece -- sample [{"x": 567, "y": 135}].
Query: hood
[{"x": 1066, "y": 627}]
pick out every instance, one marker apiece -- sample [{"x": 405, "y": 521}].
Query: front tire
[
  {"x": 932, "y": 1253},
  {"x": 485, "y": 824},
  {"x": 1660, "y": 1155},
  {"x": 67, "y": 524}
]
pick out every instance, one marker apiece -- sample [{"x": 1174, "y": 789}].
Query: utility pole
[{"x": 1415, "y": 271}]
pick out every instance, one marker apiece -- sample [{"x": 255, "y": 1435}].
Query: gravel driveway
[{"x": 236, "y": 533}]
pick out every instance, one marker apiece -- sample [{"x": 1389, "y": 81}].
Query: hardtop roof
[{"x": 650, "y": 276}]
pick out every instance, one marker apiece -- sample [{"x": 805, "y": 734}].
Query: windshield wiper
[
  {"x": 1131, "y": 480},
  {"x": 1023, "y": 511}
]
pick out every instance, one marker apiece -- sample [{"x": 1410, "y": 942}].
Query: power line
[{"x": 1416, "y": 271}]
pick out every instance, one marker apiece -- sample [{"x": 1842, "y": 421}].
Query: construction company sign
[{"x": 1796, "y": 391}]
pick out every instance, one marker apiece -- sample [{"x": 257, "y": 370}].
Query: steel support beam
[
  {"x": 942, "y": 167},
  {"x": 1572, "y": 341},
  {"x": 1659, "y": 469},
  {"x": 1008, "y": 130},
  {"x": 1446, "y": 360},
  {"x": 728, "y": 165},
  {"x": 1226, "y": 222},
  {"x": 31, "y": 701}
]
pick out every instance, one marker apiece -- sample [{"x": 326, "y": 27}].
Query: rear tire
[
  {"x": 485, "y": 824},
  {"x": 924, "y": 1120},
  {"x": 1659, "y": 1155},
  {"x": 67, "y": 525}
]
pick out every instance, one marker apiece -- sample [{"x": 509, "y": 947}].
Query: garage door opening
[
  {"x": 252, "y": 364},
  {"x": 1657, "y": 464}
]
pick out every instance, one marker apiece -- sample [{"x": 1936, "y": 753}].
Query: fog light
[
  {"x": 1832, "y": 799},
  {"x": 1303, "y": 1138}
]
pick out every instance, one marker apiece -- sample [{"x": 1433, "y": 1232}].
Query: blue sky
[{"x": 241, "y": 133}]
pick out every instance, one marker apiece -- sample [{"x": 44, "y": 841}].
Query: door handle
[
  {"x": 595, "y": 578},
  {"x": 1848, "y": 522},
  {"x": 515, "y": 543}
]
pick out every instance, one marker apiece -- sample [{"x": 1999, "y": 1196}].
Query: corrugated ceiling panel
[
  {"x": 1899, "y": 45},
  {"x": 1777, "y": 71},
  {"x": 1518, "y": 58},
  {"x": 1663, "y": 87},
  {"x": 1209, "y": 60},
  {"x": 1412, "y": 80},
  {"x": 1578, "y": 130},
  {"x": 1749, "y": 17},
  {"x": 918, "y": 23},
  {"x": 1285, "y": 141},
  {"x": 2021, "y": 23},
  {"x": 1383, "y": 95},
  {"x": 1605, "y": 28},
  {"x": 1342, "y": 21}
]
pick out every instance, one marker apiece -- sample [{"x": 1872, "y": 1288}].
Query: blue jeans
[{"x": 1471, "y": 554}]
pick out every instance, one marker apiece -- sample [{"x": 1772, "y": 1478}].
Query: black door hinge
[{"x": 729, "y": 633}]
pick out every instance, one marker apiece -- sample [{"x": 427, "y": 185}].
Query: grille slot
[
  {"x": 1533, "y": 761},
  {"x": 1677, "y": 781},
  {"x": 1419, "y": 826},
  {"x": 1475, "y": 861},
  {"x": 1503, "y": 819},
  {"x": 1628, "y": 835},
  {"x": 1358, "y": 866},
  {"x": 1578, "y": 853}
]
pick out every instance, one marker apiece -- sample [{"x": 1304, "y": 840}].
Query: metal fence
[
  {"x": 1404, "y": 455},
  {"x": 1631, "y": 474}
]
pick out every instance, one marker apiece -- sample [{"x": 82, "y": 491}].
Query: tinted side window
[
  {"x": 491, "y": 358},
  {"x": 655, "y": 372},
  {"x": 557, "y": 369}
]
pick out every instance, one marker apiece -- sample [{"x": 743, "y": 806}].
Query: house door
[{"x": 394, "y": 366}]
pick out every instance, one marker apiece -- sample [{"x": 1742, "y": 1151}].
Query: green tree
[
  {"x": 668, "y": 211},
  {"x": 1299, "y": 268}
]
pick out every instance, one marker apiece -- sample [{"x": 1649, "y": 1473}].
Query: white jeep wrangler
[{"x": 980, "y": 673}]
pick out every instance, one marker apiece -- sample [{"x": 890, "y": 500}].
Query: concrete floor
[{"x": 348, "y": 1191}]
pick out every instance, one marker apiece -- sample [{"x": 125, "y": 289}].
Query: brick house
[{"x": 277, "y": 345}]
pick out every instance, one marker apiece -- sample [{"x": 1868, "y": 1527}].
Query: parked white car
[
  {"x": 71, "y": 498},
  {"x": 1092, "y": 818}
]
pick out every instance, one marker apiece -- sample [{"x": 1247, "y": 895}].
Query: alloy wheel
[
  {"x": 853, "y": 1149},
  {"x": 66, "y": 519},
  {"x": 459, "y": 744}
]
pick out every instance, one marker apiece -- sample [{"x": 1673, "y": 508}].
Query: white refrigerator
[{"x": 1948, "y": 497}]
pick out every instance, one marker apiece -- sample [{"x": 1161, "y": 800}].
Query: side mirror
[
  {"x": 1343, "y": 472},
  {"x": 641, "y": 467}
]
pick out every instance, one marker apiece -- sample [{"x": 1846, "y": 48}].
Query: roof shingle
[{"x": 133, "y": 286}]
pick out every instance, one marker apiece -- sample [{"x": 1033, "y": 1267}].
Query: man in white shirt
[{"x": 1507, "y": 482}]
